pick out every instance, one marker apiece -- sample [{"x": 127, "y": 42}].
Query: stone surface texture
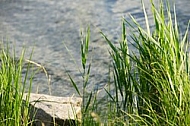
[{"x": 49, "y": 110}]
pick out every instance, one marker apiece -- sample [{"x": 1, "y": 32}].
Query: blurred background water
[{"x": 49, "y": 26}]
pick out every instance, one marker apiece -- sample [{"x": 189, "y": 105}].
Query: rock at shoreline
[{"x": 49, "y": 110}]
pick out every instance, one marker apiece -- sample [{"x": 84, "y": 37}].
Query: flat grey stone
[{"x": 49, "y": 110}]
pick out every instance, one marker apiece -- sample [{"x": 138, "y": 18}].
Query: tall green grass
[
  {"x": 152, "y": 86},
  {"x": 13, "y": 110},
  {"x": 89, "y": 116}
]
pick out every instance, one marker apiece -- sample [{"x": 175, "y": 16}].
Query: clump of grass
[
  {"x": 13, "y": 111},
  {"x": 152, "y": 87}
]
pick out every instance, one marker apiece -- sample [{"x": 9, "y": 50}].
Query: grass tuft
[
  {"x": 152, "y": 86},
  {"x": 13, "y": 111}
]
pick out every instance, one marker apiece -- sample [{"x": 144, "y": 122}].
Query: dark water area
[{"x": 52, "y": 28}]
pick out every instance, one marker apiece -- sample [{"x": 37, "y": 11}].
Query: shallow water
[{"x": 52, "y": 26}]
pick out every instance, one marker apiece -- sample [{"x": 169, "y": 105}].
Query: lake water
[{"x": 52, "y": 28}]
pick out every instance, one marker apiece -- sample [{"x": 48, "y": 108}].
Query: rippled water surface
[{"x": 52, "y": 25}]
